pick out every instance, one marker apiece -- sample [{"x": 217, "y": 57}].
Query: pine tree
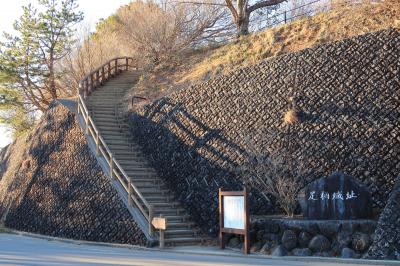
[{"x": 29, "y": 59}]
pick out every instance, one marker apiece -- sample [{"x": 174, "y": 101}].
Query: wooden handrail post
[
  {"x": 285, "y": 17},
  {"x": 79, "y": 106},
  {"x": 91, "y": 82},
  {"x": 130, "y": 190},
  {"x": 80, "y": 88},
  {"x": 116, "y": 67},
  {"x": 109, "y": 70},
  {"x": 85, "y": 89},
  {"x": 97, "y": 143},
  {"x": 102, "y": 75},
  {"x": 87, "y": 124},
  {"x": 97, "y": 78},
  {"x": 151, "y": 215},
  {"x": 111, "y": 166},
  {"x": 127, "y": 64}
]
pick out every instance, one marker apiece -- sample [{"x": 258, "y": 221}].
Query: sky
[{"x": 93, "y": 10}]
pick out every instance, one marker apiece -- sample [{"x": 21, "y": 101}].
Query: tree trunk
[
  {"x": 53, "y": 89},
  {"x": 243, "y": 25}
]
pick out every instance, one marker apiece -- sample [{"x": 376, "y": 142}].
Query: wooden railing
[
  {"x": 88, "y": 84},
  {"x": 101, "y": 74},
  {"x": 312, "y": 8}
]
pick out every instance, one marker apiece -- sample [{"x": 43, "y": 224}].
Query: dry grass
[
  {"x": 291, "y": 117},
  {"x": 335, "y": 25},
  {"x": 340, "y": 23}
]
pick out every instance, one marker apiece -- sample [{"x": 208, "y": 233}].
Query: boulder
[
  {"x": 304, "y": 239},
  {"x": 260, "y": 235},
  {"x": 329, "y": 228},
  {"x": 289, "y": 240},
  {"x": 266, "y": 248},
  {"x": 319, "y": 243},
  {"x": 272, "y": 238},
  {"x": 322, "y": 254},
  {"x": 301, "y": 252},
  {"x": 234, "y": 242},
  {"x": 256, "y": 247},
  {"x": 348, "y": 253},
  {"x": 360, "y": 242},
  {"x": 279, "y": 251}
]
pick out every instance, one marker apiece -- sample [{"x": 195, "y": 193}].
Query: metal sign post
[{"x": 234, "y": 216}]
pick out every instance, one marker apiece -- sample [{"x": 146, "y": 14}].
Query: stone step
[
  {"x": 156, "y": 198},
  {"x": 111, "y": 124},
  {"x": 99, "y": 97},
  {"x": 94, "y": 109},
  {"x": 179, "y": 233},
  {"x": 183, "y": 240},
  {"x": 100, "y": 119},
  {"x": 149, "y": 186},
  {"x": 108, "y": 116},
  {"x": 152, "y": 192},
  {"x": 106, "y": 107},
  {"x": 136, "y": 168},
  {"x": 130, "y": 157},
  {"x": 178, "y": 225},
  {"x": 140, "y": 174},
  {"x": 113, "y": 135},
  {"x": 176, "y": 218},
  {"x": 111, "y": 142}
]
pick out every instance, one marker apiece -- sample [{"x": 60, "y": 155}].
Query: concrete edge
[{"x": 237, "y": 253}]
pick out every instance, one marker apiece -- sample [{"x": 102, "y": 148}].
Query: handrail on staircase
[{"x": 87, "y": 85}]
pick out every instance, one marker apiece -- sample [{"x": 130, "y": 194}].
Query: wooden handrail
[
  {"x": 322, "y": 5},
  {"x": 86, "y": 85}
]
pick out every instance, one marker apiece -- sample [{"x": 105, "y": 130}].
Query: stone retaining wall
[
  {"x": 59, "y": 189},
  {"x": 297, "y": 237},
  {"x": 347, "y": 94},
  {"x": 386, "y": 243}
]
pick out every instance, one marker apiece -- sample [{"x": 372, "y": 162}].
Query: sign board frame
[{"x": 224, "y": 230}]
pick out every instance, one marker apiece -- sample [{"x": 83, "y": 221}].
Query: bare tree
[
  {"x": 275, "y": 170},
  {"x": 158, "y": 31},
  {"x": 242, "y": 9}
]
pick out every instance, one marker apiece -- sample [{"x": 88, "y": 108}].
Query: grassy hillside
[{"x": 340, "y": 23}]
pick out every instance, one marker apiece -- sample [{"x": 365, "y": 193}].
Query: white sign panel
[{"x": 233, "y": 212}]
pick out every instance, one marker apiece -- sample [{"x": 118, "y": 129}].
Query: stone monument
[{"x": 336, "y": 197}]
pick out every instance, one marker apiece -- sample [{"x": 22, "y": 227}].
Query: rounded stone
[
  {"x": 344, "y": 238},
  {"x": 275, "y": 238},
  {"x": 233, "y": 242},
  {"x": 256, "y": 247},
  {"x": 279, "y": 251},
  {"x": 348, "y": 253},
  {"x": 322, "y": 254},
  {"x": 319, "y": 243},
  {"x": 360, "y": 242},
  {"x": 289, "y": 240},
  {"x": 266, "y": 248},
  {"x": 304, "y": 239},
  {"x": 260, "y": 235},
  {"x": 301, "y": 252}
]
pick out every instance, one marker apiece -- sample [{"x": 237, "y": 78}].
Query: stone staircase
[{"x": 105, "y": 105}]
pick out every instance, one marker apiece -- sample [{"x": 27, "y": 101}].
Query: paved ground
[{"x": 23, "y": 250}]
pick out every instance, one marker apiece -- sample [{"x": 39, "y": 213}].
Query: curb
[{"x": 236, "y": 254}]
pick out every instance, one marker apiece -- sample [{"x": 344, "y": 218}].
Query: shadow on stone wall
[
  {"x": 196, "y": 184},
  {"x": 349, "y": 93},
  {"x": 60, "y": 190}
]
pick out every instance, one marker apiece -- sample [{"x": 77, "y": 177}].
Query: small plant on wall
[{"x": 275, "y": 171}]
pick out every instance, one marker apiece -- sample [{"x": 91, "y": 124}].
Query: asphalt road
[{"x": 22, "y": 250}]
